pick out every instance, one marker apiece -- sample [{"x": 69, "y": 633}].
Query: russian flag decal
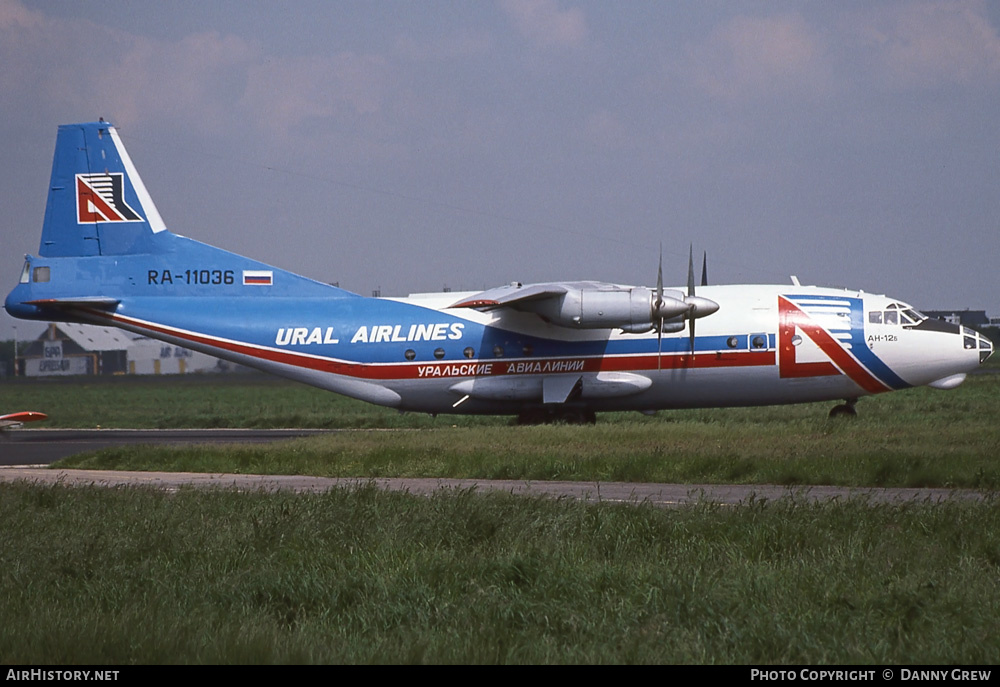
[{"x": 257, "y": 277}]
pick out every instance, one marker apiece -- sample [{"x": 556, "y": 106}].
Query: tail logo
[{"x": 101, "y": 198}]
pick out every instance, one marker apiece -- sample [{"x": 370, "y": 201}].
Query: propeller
[
  {"x": 690, "y": 308},
  {"x": 697, "y": 306}
]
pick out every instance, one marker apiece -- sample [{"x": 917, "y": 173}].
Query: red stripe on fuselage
[
  {"x": 791, "y": 316},
  {"x": 496, "y": 366}
]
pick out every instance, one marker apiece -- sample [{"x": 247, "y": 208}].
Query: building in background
[
  {"x": 80, "y": 349},
  {"x": 968, "y": 318}
]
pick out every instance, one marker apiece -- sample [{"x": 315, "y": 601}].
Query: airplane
[
  {"x": 15, "y": 420},
  {"x": 559, "y": 351}
]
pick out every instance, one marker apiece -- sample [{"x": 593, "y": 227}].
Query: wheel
[
  {"x": 843, "y": 410},
  {"x": 533, "y": 417}
]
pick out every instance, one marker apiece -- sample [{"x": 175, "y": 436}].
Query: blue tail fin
[{"x": 97, "y": 203}]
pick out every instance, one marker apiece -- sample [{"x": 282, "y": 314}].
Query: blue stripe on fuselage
[
  {"x": 379, "y": 331},
  {"x": 858, "y": 346}
]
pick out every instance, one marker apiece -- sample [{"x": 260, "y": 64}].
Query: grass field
[
  {"x": 918, "y": 437},
  {"x": 105, "y": 576},
  {"x": 100, "y": 576}
]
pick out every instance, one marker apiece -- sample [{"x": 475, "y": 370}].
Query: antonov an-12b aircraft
[{"x": 554, "y": 351}]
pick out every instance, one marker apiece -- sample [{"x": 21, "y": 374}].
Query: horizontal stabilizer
[
  {"x": 14, "y": 420},
  {"x": 98, "y": 302}
]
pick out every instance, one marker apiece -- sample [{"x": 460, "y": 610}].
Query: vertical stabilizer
[{"x": 97, "y": 203}]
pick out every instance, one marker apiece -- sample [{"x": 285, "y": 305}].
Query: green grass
[
  {"x": 105, "y": 576},
  {"x": 200, "y": 401},
  {"x": 118, "y": 576},
  {"x": 691, "y": 452}
]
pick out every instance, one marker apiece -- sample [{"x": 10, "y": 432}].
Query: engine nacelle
[{"x": 631, "y": 310}]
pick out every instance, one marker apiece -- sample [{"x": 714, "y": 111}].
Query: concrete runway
[
  {"x": 24, "y": 452},
  {"x": 664, "y": 495}
]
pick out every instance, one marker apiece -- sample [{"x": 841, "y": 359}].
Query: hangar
[{"x": 79, "y": 349}]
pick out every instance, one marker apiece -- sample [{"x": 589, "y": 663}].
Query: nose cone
[{"x": 947, "y": 352}]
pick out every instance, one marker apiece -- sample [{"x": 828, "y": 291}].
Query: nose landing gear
[{"x": 845, "y": 409}]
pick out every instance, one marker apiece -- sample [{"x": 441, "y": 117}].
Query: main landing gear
[
  {"x": 549, "y": 416},
  {"x": 845, "y": 409}
]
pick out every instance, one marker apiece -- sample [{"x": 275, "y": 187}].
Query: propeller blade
[
  {"x": 659, "y": 280},
  {"x": 659, "y": 305},
  {"x": 691, "y": 271},
  {"x": 659, "y": 346},
  {"x": 704, "y": 269}
]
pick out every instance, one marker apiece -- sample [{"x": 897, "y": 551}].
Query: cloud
[
  {"x": 465, "y": 44},
  {"x": 15, "y": 15},
  {"x": 756, "y": 57},
  {"x": 286, "y": 92},
  {"x": 544, "y": 24},
  {"x": 206, "y": 82},
  {"x": 77, "y": 69},
  {"x": 932, "y": 44},
  {"x": 197, "y": 79}
]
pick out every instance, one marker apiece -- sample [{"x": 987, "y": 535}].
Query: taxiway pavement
[{"x": 23, "y": 455}]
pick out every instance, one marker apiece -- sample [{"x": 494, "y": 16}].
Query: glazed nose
[{"x": 976, "y": 340}]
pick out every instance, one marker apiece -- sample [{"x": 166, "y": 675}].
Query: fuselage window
[
  {"x": 498, "y": 351},
  {"x": 528, "y": 350},
  {"x": 439, "y": 353},
  {"x": 41, "y": 274},
  {"x": 410, "y": 354},
  {"x": 732, "y": 342},
  {"x": 758, "y": 341},
  {"x": 469, "y": 352}
]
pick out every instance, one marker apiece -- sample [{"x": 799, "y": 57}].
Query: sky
[{"x": 415, "y": 146}]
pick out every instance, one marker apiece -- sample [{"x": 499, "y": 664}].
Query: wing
[
  {"x": 515, "y": 296},
  {"x": 583, "y": 304}
]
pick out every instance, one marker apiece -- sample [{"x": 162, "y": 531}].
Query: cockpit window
[
  {"x": 26, "y": 272},
  {"x": 41, "y": 274},
  {"x": 896, "y": 313}
]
